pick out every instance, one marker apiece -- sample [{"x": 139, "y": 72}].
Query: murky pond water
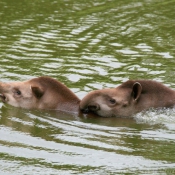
[{"x": 87, "y": 45}]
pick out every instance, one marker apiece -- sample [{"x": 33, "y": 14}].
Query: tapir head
[
  {"x": 39, "y": 93},
  {"x": 20, "y": 94},
  {"x": 114, "y": 102}
]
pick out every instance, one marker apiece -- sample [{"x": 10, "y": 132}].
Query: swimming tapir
[
  {"x": 39, "y": 93},
  {"x": 129, "y": 98}
]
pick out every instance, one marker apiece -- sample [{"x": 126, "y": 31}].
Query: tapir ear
[
  {"x": 136, "y": 90},
  {"x": 38, "y": 92}
]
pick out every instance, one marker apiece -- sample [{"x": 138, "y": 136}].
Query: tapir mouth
[
  {"x": 3, "y": 97},
  {"x": 86, "y": 110}
]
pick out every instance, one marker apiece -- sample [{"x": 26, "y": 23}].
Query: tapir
[
  {"x": 129, "y": 98},
  {"x": 39, "y": 93}
]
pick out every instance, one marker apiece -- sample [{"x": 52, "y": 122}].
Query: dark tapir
[
  {"x": 39, "y": 93},
  {"x": 128, "y": 98}
]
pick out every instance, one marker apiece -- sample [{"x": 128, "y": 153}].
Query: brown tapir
[
  {"x": 128, "y": 98},
  {"x": 39, "y": 93}
]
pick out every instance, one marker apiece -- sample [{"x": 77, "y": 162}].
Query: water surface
[{"x": 87, "y": 45}]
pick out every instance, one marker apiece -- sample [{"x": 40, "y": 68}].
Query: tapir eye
[
  {"x": 112, "y": 101},
  {"x": 18, "y": 92}
]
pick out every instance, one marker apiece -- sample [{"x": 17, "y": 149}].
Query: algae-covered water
[{"x": 87, "y": 45}]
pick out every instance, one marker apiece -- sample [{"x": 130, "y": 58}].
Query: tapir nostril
[
  {"x": 3, "y": 97},
  {"x": 90, "y": 108},
  {"x": 93, "y": 107}
]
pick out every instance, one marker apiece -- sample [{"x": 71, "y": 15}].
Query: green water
[{"x": 87, "y": 45}]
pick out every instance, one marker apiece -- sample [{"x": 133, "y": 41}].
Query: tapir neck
[
  {"x": 69, "y": 106},
  {"x": 158, "y": 99}
]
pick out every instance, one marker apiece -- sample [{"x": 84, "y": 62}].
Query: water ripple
[{"x": 87, "y": 45}]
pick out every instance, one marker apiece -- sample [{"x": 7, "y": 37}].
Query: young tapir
[
  {"x": 128, "y": 98},
  {"x": 39, "y": 93}
]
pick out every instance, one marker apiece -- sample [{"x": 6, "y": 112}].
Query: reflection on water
[{"x": 87, "y": 45}]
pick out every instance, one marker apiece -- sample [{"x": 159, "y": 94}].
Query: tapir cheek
[
  {"x": 12, "y": 101},
  {"x": 105, "y": 111},
  {"x": 105, "y": 107}
]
